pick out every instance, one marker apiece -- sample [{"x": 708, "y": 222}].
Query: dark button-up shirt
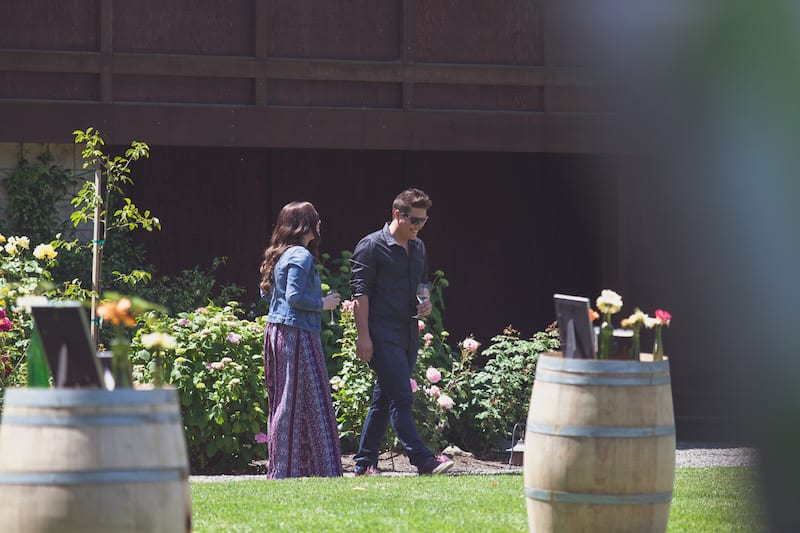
[{"x": 381, "y": 269}]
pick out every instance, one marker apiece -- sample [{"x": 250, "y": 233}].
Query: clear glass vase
[
  {"x": 606, "y": 340},
  {"x": 120, "y": 364},
  {"x": 658, "y": 345},
  {"x": 635, "y": 345}
]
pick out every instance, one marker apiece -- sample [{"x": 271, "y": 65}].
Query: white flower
[
  {"x": 26, "y": 302},
  {"x": 609, "y": 302},
  {"x": 20, "y": 242},
  {"x": 163, "y": 341},
  {"x": 637, "y": 319},
  {"x": 44, "y": 252}
]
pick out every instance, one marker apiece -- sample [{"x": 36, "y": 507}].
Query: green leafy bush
[
  {"x": 189, "y": 289},
  {"x": 25, "y": 271},
  {"x": 500, "y": 391},
  {"x": 35, "y": 190},
  {"x": 218, "y": 369},
  {"x": 443, "y": 390},
  {"x": 435, "y": 400}
]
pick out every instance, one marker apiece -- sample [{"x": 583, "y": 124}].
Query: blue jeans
[{"x": 392, "y": 400}]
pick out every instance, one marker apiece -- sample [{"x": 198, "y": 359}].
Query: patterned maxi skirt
[{"x": 303, "y": 438}]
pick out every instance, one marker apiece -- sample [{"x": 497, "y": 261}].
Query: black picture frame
[
  {"x": 574, "y": 327},
  {"x": 64, "y": 330}
]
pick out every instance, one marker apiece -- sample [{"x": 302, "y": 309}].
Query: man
[{"x": 386, "y": 268}]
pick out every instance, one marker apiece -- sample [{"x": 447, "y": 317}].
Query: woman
[{"x": 303, "y": 439}]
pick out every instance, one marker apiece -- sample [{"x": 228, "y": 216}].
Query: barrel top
[
  {"x": 601, "y": 366},
  {"x": 40, "y": 397}
]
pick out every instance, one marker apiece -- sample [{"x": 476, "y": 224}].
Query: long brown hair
[{"x": 295, "y": 220}]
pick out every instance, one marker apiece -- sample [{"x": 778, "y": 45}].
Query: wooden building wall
[
  {"x": 489, "y": 106},
  {"x": 378, "y": 74}
]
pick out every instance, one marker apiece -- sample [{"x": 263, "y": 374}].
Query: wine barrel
[
  {"x": 599, "y": 446},
  {"x": 74, "y": 460}
]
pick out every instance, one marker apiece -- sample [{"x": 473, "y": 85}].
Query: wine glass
[
  {"x": 333, "y": 317},
  {"x": 423, "y": 295}
]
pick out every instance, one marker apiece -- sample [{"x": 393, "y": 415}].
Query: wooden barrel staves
[
  {"x": 75, "y": 460},
  {"x": 599, "y": 446}
]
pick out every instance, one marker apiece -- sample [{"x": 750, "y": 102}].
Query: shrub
[
  {"x": 25, "y": 271},
  {"x": 500, "y": 391},
  {"x": 35, "y": 192},
  {"x": 443, "y": 389},
  {"x": 218, "y": 370},
  {"x": 352, "y": 382},
  {"x": 189, "y": 289}
]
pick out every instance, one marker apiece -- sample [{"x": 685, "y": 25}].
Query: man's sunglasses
[{"x": 416, "y": 221}]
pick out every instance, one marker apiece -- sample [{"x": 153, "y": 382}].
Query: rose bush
[
  {"x": 217, "y": 365},
  {"x": 25, "y": 273},
  {"x": 499, "y": 392}
]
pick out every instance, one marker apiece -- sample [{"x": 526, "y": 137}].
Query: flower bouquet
[{"x": 609, "y": 303}]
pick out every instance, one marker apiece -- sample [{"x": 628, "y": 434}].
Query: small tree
[{"x": 103, "y": 202}]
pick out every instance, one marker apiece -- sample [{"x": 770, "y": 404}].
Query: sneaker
[
  {"x": 437, "y": 465},
  {"x": 366, "y": 470}
]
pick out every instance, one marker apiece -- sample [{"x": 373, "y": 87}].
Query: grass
[{"x": 704, "y": 499}]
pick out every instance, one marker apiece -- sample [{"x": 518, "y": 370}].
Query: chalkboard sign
[
  {"x": 64, "y": 330},
  {"x": 574, "y": 326}
]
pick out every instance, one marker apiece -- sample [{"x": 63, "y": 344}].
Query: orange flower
[
  {"x": 117, "y": 313},
  {"x": 593, "y": 315}
]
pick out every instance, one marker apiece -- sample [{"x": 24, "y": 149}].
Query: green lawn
[{"x": 705, "y": 500}]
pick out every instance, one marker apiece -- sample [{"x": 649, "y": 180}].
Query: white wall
[{"x": 65, "y": 155}]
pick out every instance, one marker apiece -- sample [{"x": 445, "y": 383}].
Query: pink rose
[
  {"x": 433, "y": 375},
  {"x": 5, "y": 324},
  {"x": 434, "y": 391},
  {"x": 261, "y": 438},
  {"x": 420, "y": 325},
  {"x": 663, "y": 316},
  {"x": 428, "y": 337},
  {"x": 470, "y": 344},
  {"x": 414, "y": 386},
  {"x": 233, "y": 338},
  {"x": 445, "y": 401}
]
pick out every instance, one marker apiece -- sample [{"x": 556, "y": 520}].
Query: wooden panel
[
  {"x": 476, "y": 31},
  {"x": 333, "y": 94},
  {"x": 36, "y": 85},
  {"x": 334, "y": 29},
  {"x": 498, "y": 98},
  {"x": 310, "y": 128},
  {"x": 211, "y": 202},
  {"x": 373, "y": 71},
  {"x": 576, "y": 99},
  {"x": 184, "y": 90},
  {"x": 352, "y": 189},
  {"x": 213, "y": 27},
  {"x": 570, "y": 35},
  {"x": 498, "y": 230},
  {"x": 50, "y": 24}
]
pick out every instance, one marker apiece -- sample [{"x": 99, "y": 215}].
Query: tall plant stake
[{"x": 96, "y": 257}]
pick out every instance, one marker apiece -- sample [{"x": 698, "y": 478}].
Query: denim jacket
[{"x": 296, "y": 291}]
